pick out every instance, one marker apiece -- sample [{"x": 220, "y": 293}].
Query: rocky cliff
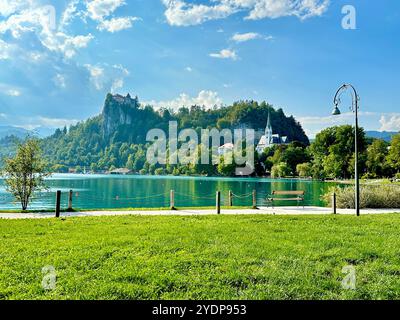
[{"x": 118, "y": 111}]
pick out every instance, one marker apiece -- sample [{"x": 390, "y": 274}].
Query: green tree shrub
[{"x": 25, "y": 172}]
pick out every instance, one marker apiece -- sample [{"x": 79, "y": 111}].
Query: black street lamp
[{"x": 354, "y": 108}]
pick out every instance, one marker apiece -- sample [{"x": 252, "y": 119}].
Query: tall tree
[
  {"x": 393, "y": 157},
  {"x": 25, "y": 172},
  {"x": 376, "y": 158},
  {"x": 333, "y": 150}
]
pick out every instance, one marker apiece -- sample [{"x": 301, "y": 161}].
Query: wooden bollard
[
  {"x": 58, "y": 203},
  {"x": 70, "y": 200},
  {"x": 230, "y": 198},
  {"x": 218, "y": 202},
  {"x": 172, "y": 200},
  {"x": 334, "y": 203},
  {"x": 255, "y": 199}
]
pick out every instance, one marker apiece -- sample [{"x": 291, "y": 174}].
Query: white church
[{"x": 269, "y": 139}]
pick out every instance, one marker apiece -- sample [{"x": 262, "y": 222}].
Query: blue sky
[{"x": 58, "y": 59}]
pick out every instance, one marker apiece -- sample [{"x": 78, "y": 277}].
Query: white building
[
  {"x": 227, "y": 147},
  {"x": 269, "y": 139}
]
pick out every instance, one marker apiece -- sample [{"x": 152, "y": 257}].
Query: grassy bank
[
  {"x": 207, "y": 257},
  {"x": 371, "y": 196}
]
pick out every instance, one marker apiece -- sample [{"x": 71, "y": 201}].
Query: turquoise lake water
[{"x": 105, "y": 191}]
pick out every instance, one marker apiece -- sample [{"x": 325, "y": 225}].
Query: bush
[
  {"x": 280, "y": 170},
  {"x": 369, "y": 176},
  {"x": 372, "y": 197},
  {"x": 304, "y": 170}
]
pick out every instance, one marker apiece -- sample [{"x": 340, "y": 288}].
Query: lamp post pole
[
  {"x": 356, "y": 174},
  {"x": 354, "y": 108}
]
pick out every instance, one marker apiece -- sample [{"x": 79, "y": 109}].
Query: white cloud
[
  {"x": 55, "y": 122},
  {"x": 273, "y": 9},
  {"x": 33, "y": 123},
  {"x": 60, "y": 81},
  {"x": 13, "y": 93},
  {"x": 180, "y": 13},
  {"x": 186, "y": 13},
  {"x": 347, "y": 117},
  {"x": 69, "y": 13},
  {"x": 243, "y": 37},
  {"x": 390, "y": 122},
  {"x": 96, "y": 76},
  {"x": 369, "y": 120},
  {"x": 101, "y": 10},
  {"x": 40, "y": 22},
  {"x": 5, "y": 50},
  {"x": 117, "y": 24},
  {"x": 189, "y": 69},
  {"x": 205, "y": 98},
  {"x": 225, "y": 54},
  {"x": 70, "y": 44},
  {"x": 35, "y": 56},
  {"x": 8, "y": 7},
  {"x": 117, "y": 84},
  {"x": 9, "y": 90},
  {"x": 107, "y": 77}
]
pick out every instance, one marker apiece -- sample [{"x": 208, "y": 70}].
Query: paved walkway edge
[{"x": 188, "y": 212}]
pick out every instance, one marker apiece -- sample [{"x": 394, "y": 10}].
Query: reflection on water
[{"x": 103, "y": 191}]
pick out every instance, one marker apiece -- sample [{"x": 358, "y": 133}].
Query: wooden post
[
  {"x": 230, "y": 199},
  {"x": 334, "y": 203},
  {"x": 70, "y": 201},
  {"x": 255, "y": 199},
  {"x": 58, "y": 203},
  {"x": 218, "y": 202},
  {"x": 172, "y": 200}
]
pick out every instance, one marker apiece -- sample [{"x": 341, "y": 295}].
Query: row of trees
[{"x": 331, "y": 156}]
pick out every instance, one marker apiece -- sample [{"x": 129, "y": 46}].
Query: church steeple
[{"x": 268, "y": 129}]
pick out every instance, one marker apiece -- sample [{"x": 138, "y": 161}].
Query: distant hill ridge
[
  {"x": 384, "y": 135},
  {"x": 7, "y": 131}
]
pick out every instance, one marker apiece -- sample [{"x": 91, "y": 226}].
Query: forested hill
[{"x": 117, "y": 137}]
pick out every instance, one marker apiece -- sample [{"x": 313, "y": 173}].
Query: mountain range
[
  {"x": 6, "y": 131},
  {"x": 41, "y": 132},
  {"x": 383, "y": 135}
]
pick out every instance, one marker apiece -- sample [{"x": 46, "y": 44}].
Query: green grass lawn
[{"x": 207, "y": 257}]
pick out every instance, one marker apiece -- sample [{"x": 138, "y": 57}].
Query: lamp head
[{"x": 336, "y": 111}]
